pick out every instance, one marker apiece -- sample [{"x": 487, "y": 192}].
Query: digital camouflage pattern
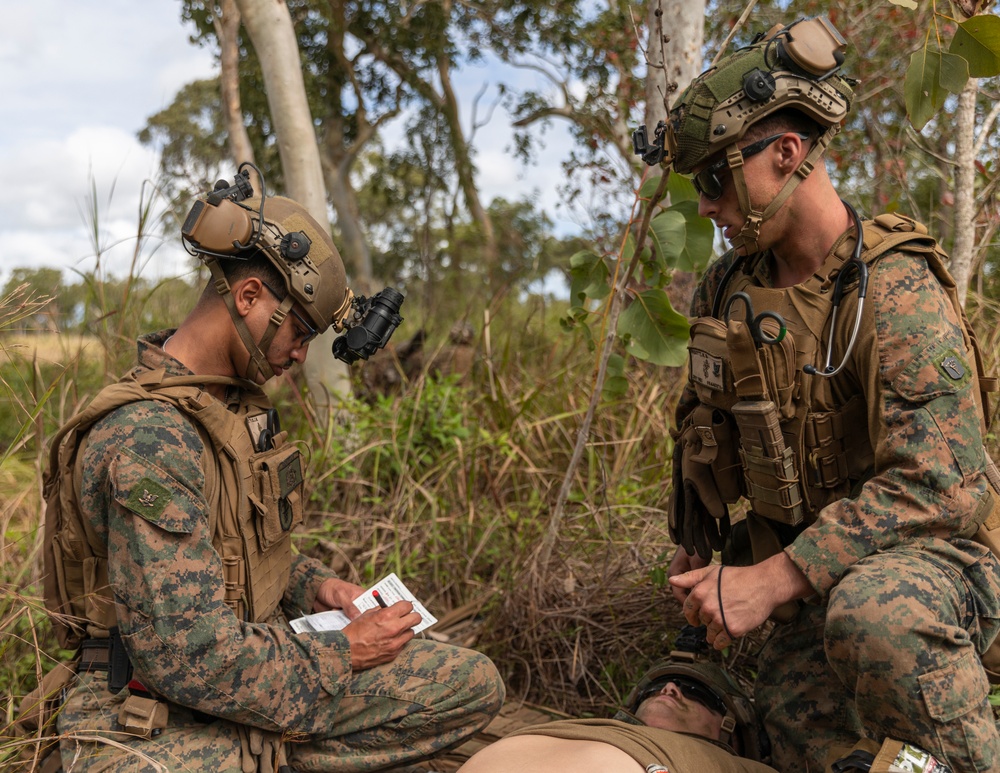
[
  {"x": 904, "y": 601},
  {"x": 187, "y": 646}
]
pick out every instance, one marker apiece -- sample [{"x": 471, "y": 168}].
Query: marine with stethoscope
[{"x": 832, "y": 393}]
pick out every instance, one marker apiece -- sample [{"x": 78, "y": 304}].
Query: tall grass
[{"x": 45, "y": 378}]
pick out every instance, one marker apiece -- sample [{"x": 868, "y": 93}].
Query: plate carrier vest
[
  {"x": 788, "y": 442},
  {"x": 254, "y": 501}
]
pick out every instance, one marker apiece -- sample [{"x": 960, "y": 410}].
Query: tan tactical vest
[
  {"x": 802, "y": 440},
  {"x": 254, "y": 502}
]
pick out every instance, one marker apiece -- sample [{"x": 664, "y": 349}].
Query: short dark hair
[
  {"x": 787, "y": 120},
  {"x": 258, "y": 265}
]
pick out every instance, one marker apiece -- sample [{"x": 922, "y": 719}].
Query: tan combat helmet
[
  {"x": 232, "y": 224},
  {"x": 741, "y": 730},
  {"x": 793, "y": 67}
]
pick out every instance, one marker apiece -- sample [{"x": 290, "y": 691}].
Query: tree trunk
[
  {"x": 269, "y": 25},
  {"x": 465, "y": 167},
  {"x": 339, "y": 156},
  {"x": 965, "y": 194},
  {"x": 337, "y": 164},
  {"x": 674, "y": 52},
  {"x": 227, "y": 26}
]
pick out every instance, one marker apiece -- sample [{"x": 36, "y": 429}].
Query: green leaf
[
  {"x": 649, "y": 187},
  {"x": 668, "y": 230},
  {"x": 698, "y": 249},
  {"x": 629, "y": 249},
  {"x": 615, "y": 383},
  {"x": 653, "y": 331},
  {"x": 922, "y": 89},
  {"x": 681, "y": 189},
  {"x": 977, "y": 40},
  {"x": 682, "y": 237},
  {"x": 588, "y": 277},
  {"x": 954, "y": 73}
]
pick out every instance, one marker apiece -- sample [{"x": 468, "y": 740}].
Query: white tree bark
[
  {"x": 676, "y": 35},
  {"x": 226, "y": 20},
  {"x": 269, "y": 25},
  {"x": 963, "y": 250}
]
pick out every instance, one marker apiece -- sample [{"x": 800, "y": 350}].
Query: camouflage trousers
[
  {"x": 432, "y": 697},
  {"x": 895, "y": 653}
]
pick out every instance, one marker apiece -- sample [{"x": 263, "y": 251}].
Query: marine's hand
[
  {"x": 379, "y": 635},
  {"x": 338, "y": 594},
  {"x": 684, "y": 562},
  {"x": 749, "y": 594}
]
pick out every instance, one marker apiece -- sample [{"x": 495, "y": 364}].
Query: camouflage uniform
[
  {"x": 904, "y": 600},
  {"x": 234, "y": 687}
]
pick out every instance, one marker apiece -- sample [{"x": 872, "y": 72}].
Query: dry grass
[{"x": 54, "y": 348}]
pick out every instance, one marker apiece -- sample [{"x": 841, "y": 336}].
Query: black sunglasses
[
  {"x": 311, "y": 332},
  {"x": 707, "y": 181},
  {"x": 690, "y": 689}
]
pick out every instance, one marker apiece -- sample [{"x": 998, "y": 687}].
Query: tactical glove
[{"x": 699, "y": 519}]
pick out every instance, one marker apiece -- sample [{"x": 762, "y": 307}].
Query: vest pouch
[
  {"x": 708, "y": 363},
  {"x": 768, "y": 464},
  {"x": 278, "y": 503},
  {"x": 143, "y": 716},
  {"x": 777, "y": 361},
  {"x": 710, "y": 459}
]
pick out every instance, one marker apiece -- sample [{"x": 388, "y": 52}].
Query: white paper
[{"x": 390, "y": 588}]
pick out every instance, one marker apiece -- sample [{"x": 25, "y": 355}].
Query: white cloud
[{"x": 80, "y": 80}]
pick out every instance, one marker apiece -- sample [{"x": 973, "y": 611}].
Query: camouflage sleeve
[
  {"x": 303, "y": 585},
  {"x": 185, "y": 643},
  {"x": 924, "y": 426}
]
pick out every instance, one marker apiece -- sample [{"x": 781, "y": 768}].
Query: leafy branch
[
  {"x": 637, "y": 314},
  {"x": 934, "y": 73}
]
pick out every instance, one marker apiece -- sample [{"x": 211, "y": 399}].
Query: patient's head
[
  {"x": 689, "y": 695},
  {"x": 683, "y": 705}
]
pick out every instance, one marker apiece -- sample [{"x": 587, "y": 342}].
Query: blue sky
[{"x": 80, "y": 79}]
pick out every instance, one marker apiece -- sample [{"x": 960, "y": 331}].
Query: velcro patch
[
  {"x": 290, "y": 475},
  {"x": 148, "y": 498},
  {"x": 953, "y": 366}
]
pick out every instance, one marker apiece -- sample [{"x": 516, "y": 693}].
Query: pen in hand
[{"x": 379, "y": 599}]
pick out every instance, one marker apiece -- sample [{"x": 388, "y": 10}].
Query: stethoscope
[
  {"x": 855, "y": 264},
  {"x": 838, "y": 293}
]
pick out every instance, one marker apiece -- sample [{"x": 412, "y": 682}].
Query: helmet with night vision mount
[
  {"x": 686, "y": 664},
  {"x": 231, "y": 223},
  {"x": 787, "y": 68}
]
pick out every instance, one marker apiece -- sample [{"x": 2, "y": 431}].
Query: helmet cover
[
  {"x": 316, "y": 277},
  {"x": 789, "y": 67}
]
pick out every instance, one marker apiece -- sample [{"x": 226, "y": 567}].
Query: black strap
[{"x": 119, "y": 665}]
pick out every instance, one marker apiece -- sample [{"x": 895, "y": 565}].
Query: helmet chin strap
[
  {"x": 753, "y": 218},
  {"x": 256, "y": 349}
]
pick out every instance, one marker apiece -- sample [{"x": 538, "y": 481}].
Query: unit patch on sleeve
[{"x": 148, "y": 498}]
